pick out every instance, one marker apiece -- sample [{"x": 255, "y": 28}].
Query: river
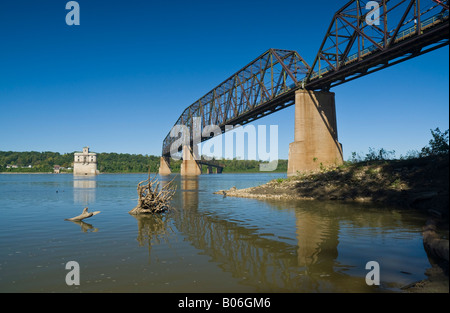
[{"x": 208, "y": 243}]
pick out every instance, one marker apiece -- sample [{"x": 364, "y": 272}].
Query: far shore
[
  {"x": 274, "y": 172},
  {"x": 31, "y": 173}
]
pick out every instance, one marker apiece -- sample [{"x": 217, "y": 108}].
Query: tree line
[
  {"x": 111, "y": 163},
  {"x": 138, "y": 163},
  {"x": 438, "y": 145}
]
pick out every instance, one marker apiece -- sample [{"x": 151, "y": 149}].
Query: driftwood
[
  {"x": 154, "y": 197},
  {"x": 83, "y": 215}
]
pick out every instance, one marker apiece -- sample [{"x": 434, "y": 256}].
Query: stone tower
[{"x": 85, "y": 163}]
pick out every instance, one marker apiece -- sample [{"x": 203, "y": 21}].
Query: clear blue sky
[{"x": 120, "y": 80}]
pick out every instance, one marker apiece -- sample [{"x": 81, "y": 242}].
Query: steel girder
[{"x": 363, "y": 38}]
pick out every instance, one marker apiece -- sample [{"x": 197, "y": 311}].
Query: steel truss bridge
[{"x": 361, "y": 39}]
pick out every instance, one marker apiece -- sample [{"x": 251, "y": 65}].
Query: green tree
[
  {"x": 379, "y": 155},
  {"x": 438, "y": 145}
]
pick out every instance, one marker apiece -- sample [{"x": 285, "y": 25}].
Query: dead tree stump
[{"x": 154, "y": 197}]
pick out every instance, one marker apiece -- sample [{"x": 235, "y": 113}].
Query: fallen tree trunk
[
  {"x": 153, "y": 196},
  {"x": 83, "y": 215}
]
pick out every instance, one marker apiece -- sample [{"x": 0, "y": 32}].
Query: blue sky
[{"x": 119, "y": 80}]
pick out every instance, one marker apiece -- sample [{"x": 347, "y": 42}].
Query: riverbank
[{"x": 417, "y": 184}]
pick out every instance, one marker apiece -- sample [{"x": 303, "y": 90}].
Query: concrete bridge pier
[
  {"x": 315, "y": 141},
  {"x": 189, "y": 166},
  {"x": 164, "y": 166}
]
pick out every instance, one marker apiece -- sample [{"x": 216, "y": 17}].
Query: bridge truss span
[
  {"x": 263, "y": 86},
  {"x": 363, "y": 38}
]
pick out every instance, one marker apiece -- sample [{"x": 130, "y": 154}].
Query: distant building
[
  {"x": 56, "y": 169},
  {"x": 85, "y": 163}
]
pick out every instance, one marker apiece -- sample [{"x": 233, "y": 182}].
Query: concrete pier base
[
  {"x": 316, "y": 142},
  {"x": 164, "y": 168},
  {"x": 189, "y": 166}
]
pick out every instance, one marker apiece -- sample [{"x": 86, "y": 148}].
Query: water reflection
[
  {"x": 209, "y": 243},
  {"x": 317, "y": 240},
  {"x": 323, "y": 246},
  {"x": 153, "y": 229},
  {"x": 189, "y": 191},
  {"x": 260, "y": 260},
  {"x": 336, "y": 240},
  {"x": 84, "y": 190},
  {"x": 265, "y": 264},
  {"x": 86, "y": 227}
]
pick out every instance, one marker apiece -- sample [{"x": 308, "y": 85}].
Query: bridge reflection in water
[{"x": 306, "y": 254}]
